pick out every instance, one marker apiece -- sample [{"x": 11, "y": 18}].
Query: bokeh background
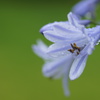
[{"x": 20, "y": 69}]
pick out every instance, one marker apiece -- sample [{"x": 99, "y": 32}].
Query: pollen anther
[{"x": 74, "y": 47}]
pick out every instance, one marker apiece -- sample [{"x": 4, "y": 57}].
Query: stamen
[
  {"x": 71, "y": 50},
  {"x": 78, "y": 53},
  {"x": 74, "y": 47}
]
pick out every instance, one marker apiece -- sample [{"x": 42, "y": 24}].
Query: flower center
[{"x": 75, "y": 48}]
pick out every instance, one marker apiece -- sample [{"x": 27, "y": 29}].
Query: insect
[{"x": 74, "y": 47}]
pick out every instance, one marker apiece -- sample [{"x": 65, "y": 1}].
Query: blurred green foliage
[{"x": 20, "y": 68}]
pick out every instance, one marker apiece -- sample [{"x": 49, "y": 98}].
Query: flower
[
  {"x": 67, "y": 57},
  {"x": 72, "y": 39},
  {"x": 54, "y": 68},
  {"x": 85, "y": 7}
]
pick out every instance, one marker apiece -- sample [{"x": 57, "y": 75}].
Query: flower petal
[
  {"x": 54, "y": 37},
  {"x": 93, "y": 31},
  {"x": 66, "y": 29},
  {"x": 50, "y": 26},
  {"x": 59, "y": 49},
  {"x": 78, "y": 66},
  {"x": 65, "y": 81},
  {"x": 84, "y": 22},
  {"x": 73, "y": 21},
  {"x": 60, "y": 65},
  {"x": 51, "y": 36},
  {"x": 84, "y": 7},
  {"x": 40, "y": 49},
  {"x": 65, "y": 85}
]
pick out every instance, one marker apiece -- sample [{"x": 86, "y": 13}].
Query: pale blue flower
[
  {"x": 72, "y": 39},
  {"x": 85, "y": 7},
  {"x": 54, "y": 67}
]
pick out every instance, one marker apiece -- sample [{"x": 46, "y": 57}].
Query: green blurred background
[{"x": 20, "y": 69}]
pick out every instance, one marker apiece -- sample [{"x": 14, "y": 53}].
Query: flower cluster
[{"x": 72, "y": 44}]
